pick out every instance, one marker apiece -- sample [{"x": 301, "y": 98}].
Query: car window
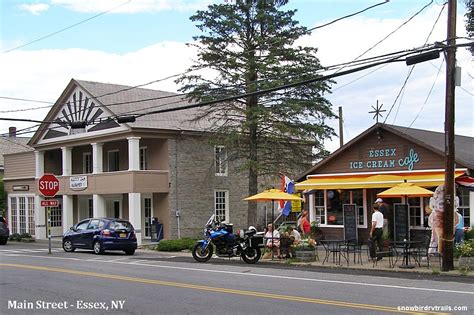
[
  {"x": 101, "y": 224},
  {"x": 94, "y": 225},
  {"x": 82, "y": 226},
  {"x": 121, "y": 225}
]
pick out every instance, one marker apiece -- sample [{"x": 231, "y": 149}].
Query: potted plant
[
  {"x": 305, "y": 250},
  {"x": 466, "y": 254}
]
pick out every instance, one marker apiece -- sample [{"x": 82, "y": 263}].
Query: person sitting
[
  {"x": 273, "y": 240},
  {"x": 295, "y": 238}
]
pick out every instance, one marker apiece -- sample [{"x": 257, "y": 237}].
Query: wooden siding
[{"x": 20, "y": 165}]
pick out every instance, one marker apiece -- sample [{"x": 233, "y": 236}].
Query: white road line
[{"x": 247, "y": 274}]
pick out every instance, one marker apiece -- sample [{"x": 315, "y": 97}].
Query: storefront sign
[
  {"x": 386, "y": 158},
  {"x": 21, "y": 187},
  {"x": 78, "y": 182}
]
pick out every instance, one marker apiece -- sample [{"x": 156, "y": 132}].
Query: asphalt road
[{"x": 35, "y": 282}]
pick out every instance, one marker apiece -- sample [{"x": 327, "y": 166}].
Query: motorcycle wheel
[
  {"x": 200, "y": 254},
  {"x": 251, "y": 255}
]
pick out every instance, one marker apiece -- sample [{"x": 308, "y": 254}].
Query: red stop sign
[{"x": 48, "y": 185}]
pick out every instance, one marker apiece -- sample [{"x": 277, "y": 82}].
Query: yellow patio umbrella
[
  {"x": 272, "y": 195},
  {"x": 405, "y": 190}
]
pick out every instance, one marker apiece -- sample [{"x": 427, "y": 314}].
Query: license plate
[{"x": 123, "y": 235}]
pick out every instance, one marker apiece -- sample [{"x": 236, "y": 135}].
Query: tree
[
  {"x": 249, "y": 46},
  {"x": 470, "y": 20}
]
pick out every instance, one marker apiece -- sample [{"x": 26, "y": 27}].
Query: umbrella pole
[{"x": 273, "y": 226}]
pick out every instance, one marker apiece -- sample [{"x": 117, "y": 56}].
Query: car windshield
[{"x": 121, "y": 225}]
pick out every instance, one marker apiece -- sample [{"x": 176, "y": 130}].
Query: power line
[{"x": 66, "y": 28}]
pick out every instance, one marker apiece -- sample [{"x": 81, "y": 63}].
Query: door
[
  {"x": 116, "y": 209},
  {"x": 147, "y": 214},
  {"x": 76, "y": 234},
  {"x": 88, "y": 234}
]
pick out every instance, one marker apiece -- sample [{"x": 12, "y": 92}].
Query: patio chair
[{"x": 352, "y": 246}]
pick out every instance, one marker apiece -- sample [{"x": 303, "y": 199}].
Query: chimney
[{"x": 12, "y": 132}]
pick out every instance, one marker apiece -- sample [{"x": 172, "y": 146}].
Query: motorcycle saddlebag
[{"x": 256, "y": 241}]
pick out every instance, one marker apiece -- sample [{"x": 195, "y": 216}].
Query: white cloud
[
  {"x": 35, "y": 9},
  {"x": 135, "y": 6}
]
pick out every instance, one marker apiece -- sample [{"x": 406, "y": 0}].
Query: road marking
[
  {"x": 26, "y": 250},
  {"x": 215, "y": 289},
  {"x": 365, "y": 284}
]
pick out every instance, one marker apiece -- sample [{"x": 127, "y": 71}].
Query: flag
[{"x": 288, "y": 186}]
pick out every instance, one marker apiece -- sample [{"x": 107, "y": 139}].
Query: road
[{"x": 35, "y": 282}]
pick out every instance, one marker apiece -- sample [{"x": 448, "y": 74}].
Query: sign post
[{"x": 48, "y": 186}]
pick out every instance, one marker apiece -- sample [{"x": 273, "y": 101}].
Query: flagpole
[{"x": 273, "y": 226}]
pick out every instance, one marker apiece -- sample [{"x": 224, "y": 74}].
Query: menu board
[
  {"x": 350, "y": 221},
  {"x": 400, "y": 222}
]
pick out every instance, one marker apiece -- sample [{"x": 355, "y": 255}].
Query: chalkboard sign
[
  {"x": 350, "y": 221},
  {"x": 400, "y": 222}
]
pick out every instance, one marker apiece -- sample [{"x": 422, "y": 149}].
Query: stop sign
[{"x": 48, "y": 185}]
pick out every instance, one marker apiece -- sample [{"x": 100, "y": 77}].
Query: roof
[
  {"x": 10, "y": 145},
  {"x": 125, "y": 103},
  {"x": 434, "y": 141}
]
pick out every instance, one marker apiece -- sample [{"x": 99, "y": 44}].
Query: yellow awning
[{"x": 354, "y": 181}]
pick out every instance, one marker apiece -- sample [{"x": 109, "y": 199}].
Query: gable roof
[
  {"x": 122, "y": 100},
  {"x": 433, "y": 141},
  {"x": 10, "y": 145}
]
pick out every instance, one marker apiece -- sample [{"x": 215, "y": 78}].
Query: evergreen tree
[
  {"x": 251, "y": 45},
  {"x": 470, "y": 20}
]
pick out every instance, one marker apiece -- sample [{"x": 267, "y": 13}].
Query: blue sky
[{"x": 143, "y": 40}]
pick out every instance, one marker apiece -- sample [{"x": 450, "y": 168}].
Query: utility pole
[
  {"x": 449, "y": 194},
  {"x": 341, "y": 127}
]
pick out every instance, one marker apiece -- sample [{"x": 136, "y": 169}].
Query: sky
[{"x": 45, "y": 43}]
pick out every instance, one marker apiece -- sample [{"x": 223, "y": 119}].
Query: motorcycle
[{"x": 246, "y": 244}]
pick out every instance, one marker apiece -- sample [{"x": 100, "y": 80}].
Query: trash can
[{"x": 156, "y": 230}]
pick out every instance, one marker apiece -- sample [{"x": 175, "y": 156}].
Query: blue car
[{"x": 100, "y": 234}]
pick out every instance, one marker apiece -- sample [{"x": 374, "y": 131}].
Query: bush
[
  {"x": 25, "y": 237},
  {"x": 176, "y": 245},
  {"x": 469, "y": 235},
  {"x": 15, "y": 237}
]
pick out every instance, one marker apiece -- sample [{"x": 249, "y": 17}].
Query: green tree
[
  {"x": 470, "y": 20},
  {"x": 248, "y": 46}
]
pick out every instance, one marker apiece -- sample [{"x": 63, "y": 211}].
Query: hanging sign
[{"x": 78, "y": 182}]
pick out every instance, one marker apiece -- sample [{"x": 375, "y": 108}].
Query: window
[
  {"x": 147, "y": 208},
  {"x": 463, "y": 194},
  {"x": 22, "y": 214},
  {"x": 87, "y": 162},
  {"x": 90, "y": 208},
  {"x": 82, "y": 225},
  {"x": 143, "y": 158},
  {"x": 221, "y": 204},
  {"x": 320, "y": 210},
  {"x": 31, "y": 216},
  {"x": 220, "y": 157},
  {"x": 94, "y": 225},
  {"x": 56, "y": 216},
  {"x": 14, "y": 214},
  {"x": 415, "y": 209},
  {"x": 113, "y": 160},
  {"x": 116, "y": 209},
  {"x": 328, "y": 206}
]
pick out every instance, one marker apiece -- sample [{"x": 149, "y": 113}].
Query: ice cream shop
[{"x": 380, "y": 158}]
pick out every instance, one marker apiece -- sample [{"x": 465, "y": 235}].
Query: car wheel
[
  {"x": 67, "y": 246},
  {"x": 3, "y": 240},
  {"x": 98, "y": 248},
  {"x": 129, "y": 251}
]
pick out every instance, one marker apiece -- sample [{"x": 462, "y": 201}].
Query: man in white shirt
[{"x": 376, "y": 231}]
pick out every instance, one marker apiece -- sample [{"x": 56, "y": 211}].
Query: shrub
[
  {"x": 176, "y": 245},
  {"x": 469, "y": 235},
  {"x": 465, "y": 249},
  {"x": 15, "y": 237}
]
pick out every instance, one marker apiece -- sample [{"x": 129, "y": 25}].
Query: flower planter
[{"x": 305, "y": 255}]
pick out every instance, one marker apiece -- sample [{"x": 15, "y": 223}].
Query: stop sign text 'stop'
[{"x": 48, "y": 185}]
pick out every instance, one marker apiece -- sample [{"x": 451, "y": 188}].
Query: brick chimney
[{"x": 12, "y": 132}]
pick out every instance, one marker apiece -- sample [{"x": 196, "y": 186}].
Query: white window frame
[
  {"x": 143, "y": 158},
  {"x": 87, "y": 163},
  {"x": 14, "y": 213},
  {"x": 108, "y": 160},
  {"x": 147, "y": 225},
  {"x": 225, "y": 203},
  {"x": 220, "y": 160},
  {"x": 419, "y": 208}
]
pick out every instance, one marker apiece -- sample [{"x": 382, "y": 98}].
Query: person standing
[
  {"x": 305, "y": 227},
  {"x": 376, "y": 231},
  {"x": 459, "y": 231},
  {"x": 383, "y": 208}
]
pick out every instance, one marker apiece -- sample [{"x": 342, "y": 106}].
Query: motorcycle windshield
[{"x": 210, "y": 221}]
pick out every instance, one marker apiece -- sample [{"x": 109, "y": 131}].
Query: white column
[
  {"x": 98, "y": 202},
  {"x": 133, "y": 153},
  {"x": 39, "y": 164},
  {"x": 471, "y": 208},
  {"x": 40, "y": 219},
  {"x": 312, "y": 213},
  {"x": 97, "y": 158},
  {"x": 135, "y": 214},
  {"x": 67, "y": 161},
  {"x": 68, "y": 219}
]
